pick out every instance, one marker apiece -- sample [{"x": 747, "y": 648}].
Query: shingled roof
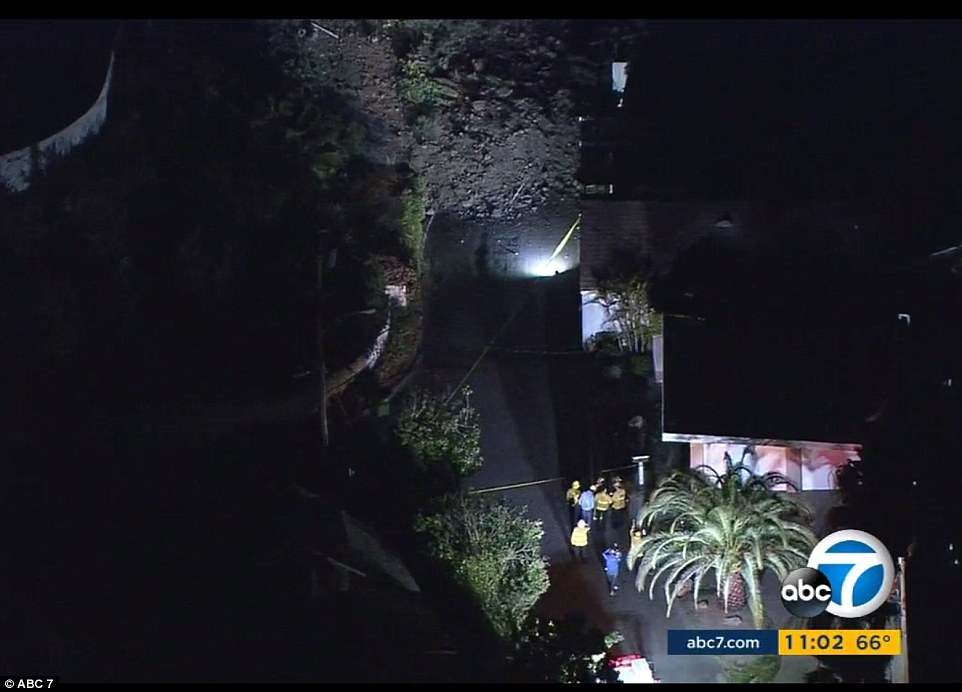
[
  {"x": 613, "y": 233},
  {"x": 623, "y": 235},
  {"x": 813, "y": 382}
]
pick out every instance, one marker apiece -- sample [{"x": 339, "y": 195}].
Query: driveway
[
  {"x": 483, "y": 296},
  {"x": 528, "y": 389}
]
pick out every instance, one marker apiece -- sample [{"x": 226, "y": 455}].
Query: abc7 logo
[
  {"x": 859, "y": 580},
  {"x": 806, "y": 592}
]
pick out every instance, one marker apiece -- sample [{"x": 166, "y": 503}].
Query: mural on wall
[{"x": 809, "y": 468}]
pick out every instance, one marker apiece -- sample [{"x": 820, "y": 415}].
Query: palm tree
[{"x": 733, "y": 523}]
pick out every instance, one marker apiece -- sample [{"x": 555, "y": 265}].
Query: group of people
[
  {"x": 602, "y": 505},
  {"x": 597, "y": 502}
]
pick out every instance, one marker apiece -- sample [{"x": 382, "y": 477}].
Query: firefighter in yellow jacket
[
  {"x": 602, "y": 503},
  {"x": 619, "y": 505},
  {"x": 572, "y": 499},
  {"x": 579, "y": 539}
]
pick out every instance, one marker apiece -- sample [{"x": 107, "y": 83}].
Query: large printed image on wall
[{"x": 808, "y": 468}]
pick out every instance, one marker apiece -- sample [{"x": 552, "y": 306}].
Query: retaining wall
[{"x": 19, "y": 167}]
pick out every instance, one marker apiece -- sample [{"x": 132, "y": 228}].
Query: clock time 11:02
[{"x": 821, "y": 642}]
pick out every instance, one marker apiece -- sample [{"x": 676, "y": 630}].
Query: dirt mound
[{"x": 485, "y": 110}]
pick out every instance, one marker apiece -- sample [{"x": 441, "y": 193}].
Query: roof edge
[{"x": 723, "y": 439}]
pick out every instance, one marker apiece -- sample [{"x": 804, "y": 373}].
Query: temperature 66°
[{"x": 873, "y": 642}]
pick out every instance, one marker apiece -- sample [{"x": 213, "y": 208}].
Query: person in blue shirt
[
  {"x": 612, "y": 558},
  {"x": 587, "y": 502}
]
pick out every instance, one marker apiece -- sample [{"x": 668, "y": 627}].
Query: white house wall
[
  {"x": 594, "y": 317},
  {"x": 658, "y": 354},
  {"x": 807, "y": 467}
]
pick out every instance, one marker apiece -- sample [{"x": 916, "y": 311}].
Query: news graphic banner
[
  {"x": 849, "y": 574},
  {"x": 785, "y": 642}
]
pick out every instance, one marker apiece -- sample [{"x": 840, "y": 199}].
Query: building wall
[
  {"x": 807, "y": 467},
  {"x": 18, "y": 168},
  {"x": 594, "y": 317},
  {"x": 658, "y": 354}
]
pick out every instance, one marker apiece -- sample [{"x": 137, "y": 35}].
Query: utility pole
[
  {"x": 321, "y": 408},
  {"x": 642, "y": 466}
]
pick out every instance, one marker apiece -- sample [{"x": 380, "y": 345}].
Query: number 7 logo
[{"x": 859, "y": 568}]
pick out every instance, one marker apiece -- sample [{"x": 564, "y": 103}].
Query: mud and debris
[{"x": 487, "y": 111}]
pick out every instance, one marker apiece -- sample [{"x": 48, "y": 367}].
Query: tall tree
[{"x": 629, "y": 311}]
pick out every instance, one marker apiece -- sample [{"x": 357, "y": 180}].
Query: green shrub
[
  {"x": 495, "y": 551},
  {"x": 442, "y": 431},
  {"x": 427, "y": 127},
  {"x": 327, "y": 139},
  {"x": 640, "y": 366},
  {"x": 421, "y": 92},
  {"x": 757, "y": 670},
  {"x": 374, "y": 284},
  {"x": 605, "y": 344},
  {"x": 565, "y": 651},
  {"x": 414, "y": 201}
]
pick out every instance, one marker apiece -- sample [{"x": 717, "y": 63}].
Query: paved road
[
  {"x": 528, "y": 388},
  {"x": 532, "y": 406}
]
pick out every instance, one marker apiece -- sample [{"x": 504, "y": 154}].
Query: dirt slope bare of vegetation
[{"x": 485, "y": 110}]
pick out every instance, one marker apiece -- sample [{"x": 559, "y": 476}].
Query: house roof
[
  {"x": 619, "y": 235},
  {"x": 711, "y": 245},
  {"x": 815, "y": 381},
  {"x": 612, "y": 233},
  {"x": 789, "y": 337},
  {"x": 746, "y": 106}
]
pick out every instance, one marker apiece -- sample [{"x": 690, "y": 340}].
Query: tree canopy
[
  {"x": 494, "y": 550},
  {"x": 630, "y": 314},
  {"x": 442, "y": 431}
]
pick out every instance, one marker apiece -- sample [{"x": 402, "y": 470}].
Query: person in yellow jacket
[
  {"x": 572, "y": 499},
  {"x": 637, "y": 533},
  {"x": 602, "y": 503},
  {"x": 619, "y": 505},
  {"x": 579, "y": 539}
]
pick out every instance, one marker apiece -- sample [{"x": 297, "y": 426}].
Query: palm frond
[{"x": 733, "y": 524}]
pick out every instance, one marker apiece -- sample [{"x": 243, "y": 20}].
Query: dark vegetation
[
  {"x": 852, "y": 669},
  {"x": 626, "y": 410},
  {"x": 161, "y": 294},
  {"x": 894, "y": 494},
  {"x": 479, "y": 558},
  {"x": 171, "y": 512},
  {"x": 625, "y": 397}
]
